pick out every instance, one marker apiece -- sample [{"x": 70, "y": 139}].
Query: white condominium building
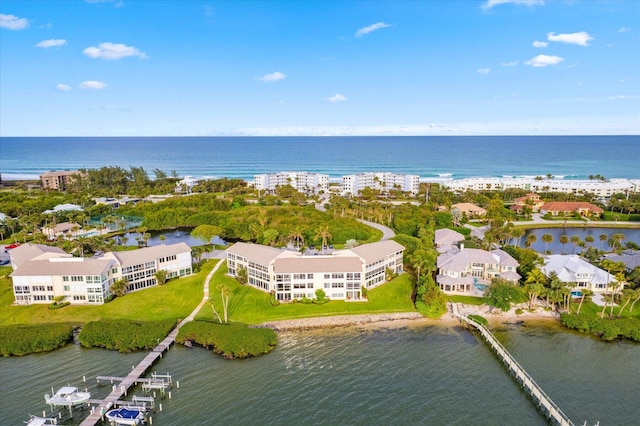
[
  {"x": 301, "y": 181},
  {"x": 42, "y": 273},
  {"x": 382, "y": 181},
  {"x": 596, "y": 187},
  {"x": 341, "y": 274}
]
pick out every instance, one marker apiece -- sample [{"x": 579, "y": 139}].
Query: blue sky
[{"x": 181, "y": 68}]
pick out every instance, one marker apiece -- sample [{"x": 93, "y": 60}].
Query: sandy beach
[{"x": 411, "y": 319}]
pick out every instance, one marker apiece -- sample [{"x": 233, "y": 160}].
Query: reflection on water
[
  {"x": 418, "y": 375},
  {"x": 556, "y": 247},
  {"x": 165, "y": 237}
]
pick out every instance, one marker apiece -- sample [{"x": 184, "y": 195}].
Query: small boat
[
  {"x": 40, "y": 421},
  {"x": 125, "y": 416},
  {"x": 67, "y": 396}
]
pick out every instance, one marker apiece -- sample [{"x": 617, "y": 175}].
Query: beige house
[
  {"x": 291, "y": 275},
  {"x": 530, "y": 200},
  {"x": 471, "y": 270},
  {"x": 568, "y": 208},
  {"x": 42, "y": 273},
  {"x": 471, "y": 210},
  {"x": 61, "y": 230}
]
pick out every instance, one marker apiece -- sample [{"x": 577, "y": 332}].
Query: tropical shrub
[
  {"x": 607, "y": 328},
  {"x": 125, "y": 335},
  {"x": 229, "y": 340},
  {"x": 26, "y": 339}
]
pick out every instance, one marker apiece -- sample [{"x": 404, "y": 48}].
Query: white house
[
  {"x": 446, "y": 239},
  {"x": 470, "y": 270},
  {"x": 41, "y": 273},
  {"x": 571, "y": 268},
  {"x": 292, "y": 275}
]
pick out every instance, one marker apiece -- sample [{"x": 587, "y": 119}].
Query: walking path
[{"x": 134, "y": 376}]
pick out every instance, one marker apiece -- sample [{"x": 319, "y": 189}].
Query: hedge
[
  {"x": 26, "y": 339},
  {"x": 125, "y": 335},
  {"x": 229, "y": 340}
]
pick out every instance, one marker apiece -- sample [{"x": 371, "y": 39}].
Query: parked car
[
  {"x": 4, "y": 262},
  {"x": 11, "y": 246}
]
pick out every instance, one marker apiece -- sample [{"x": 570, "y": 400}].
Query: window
[{"x": 67, "y": 288}]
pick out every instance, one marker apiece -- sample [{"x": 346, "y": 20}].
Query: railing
[{"x": 552, "y": 409}]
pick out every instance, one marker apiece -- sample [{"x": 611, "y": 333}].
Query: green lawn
[
  {"x": 467, "y": 300},
  {"x": 250, "y": 306},
  {"x": 174, "y": 300},
  {"x": 593, "y": 310}
]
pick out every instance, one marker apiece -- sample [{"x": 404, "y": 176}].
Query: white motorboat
[
  {"x": 125, "y": 416},
  {"x": 41, "y": 421},
  {"x": 67, "y": 396}
]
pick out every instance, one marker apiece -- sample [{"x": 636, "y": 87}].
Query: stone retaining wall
[{"x": 337, "y": 321}]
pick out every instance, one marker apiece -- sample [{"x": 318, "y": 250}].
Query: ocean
[{"x": 431, "y": 157}]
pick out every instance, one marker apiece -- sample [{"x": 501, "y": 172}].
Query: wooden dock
[
  {"x": 135, "y": 376},
  {"x": 546, "y": 404}
]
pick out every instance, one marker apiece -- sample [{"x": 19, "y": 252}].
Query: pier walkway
[
  {"x": 546, "y": 404},
  {"x": 138, "y": 371}
]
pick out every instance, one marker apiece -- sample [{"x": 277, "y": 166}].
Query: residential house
[
  {"x": 61, "y": 230},
  {"x": 341, "y": 274},
  {"x": 42, "y": 273},
  {"x": 446, "y": 239},
  {"x": 531, "y": 201},
  {"x": 630, "y": 258},
  {"x": 470, "y": 270},
  {"x": 571, "y": 268},
  {"x": 469, "y": 209},
  {"x": 569, "y": 208}
]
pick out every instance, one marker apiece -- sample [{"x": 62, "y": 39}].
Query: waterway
[
  {"x": 428, "y": 374},
  {"x": 556, "y": 247}
]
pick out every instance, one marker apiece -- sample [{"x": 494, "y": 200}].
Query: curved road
[{"x": 387, "y": 233}]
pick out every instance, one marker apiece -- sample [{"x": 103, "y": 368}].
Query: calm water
[
  {"x": 420, "y": 375},
  {"x": 242, "y": 157},
  {"x": 556, "y": 247}
]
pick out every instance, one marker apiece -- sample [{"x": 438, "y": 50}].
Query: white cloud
[
  {"x": 484, "y": 71},
  {"x": 113, "y": 51},
  {"x": 92, "y": 85},
  {"x": 624, "y": 30},
  {"x": 510, "y": 64},
  {"x": 63, "y": 87},
  {"x": 540, "y": 44},
  {"x": 491, "y": 3},
  {"x": 544, "y": 60},
  {"x": 12, "y": 22},
  {"x": 623, "y": 97},
  {"x": 371, "y": 28},
  {"x": 52, "y": 43},
  {"x": 274, "y": 76},
  {"x": 582, "y": 38},
  {"x": 337, "y": 98}
]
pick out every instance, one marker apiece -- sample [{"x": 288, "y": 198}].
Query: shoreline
[{"x": 408, "y": 319}]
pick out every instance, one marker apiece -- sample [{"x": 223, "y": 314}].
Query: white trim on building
[
  {"x": 309, "y": 183},
  {"x": 381, "y": 181},
  {"x": 291, "y": 275},
  {"x": 42, "y": 273}
]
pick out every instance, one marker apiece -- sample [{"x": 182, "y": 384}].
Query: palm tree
[
  {"x": 119, "y": 287},
  {"x": 324, "y": 235},
  {"x": 531, "y": 238},
  {"x": 589, "y": 240},
  {"x": 575, "y": 240},
  {"x": 564, "y": 239},
  {"x": 547, "y": 238},
  {"x": 296, "y": 237},
  {"x": 602, "y": 238},
  {"x": 616, "y": 240},
  {"x": 534, "y": 285},
  {"x": 586, "y": 294}
]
